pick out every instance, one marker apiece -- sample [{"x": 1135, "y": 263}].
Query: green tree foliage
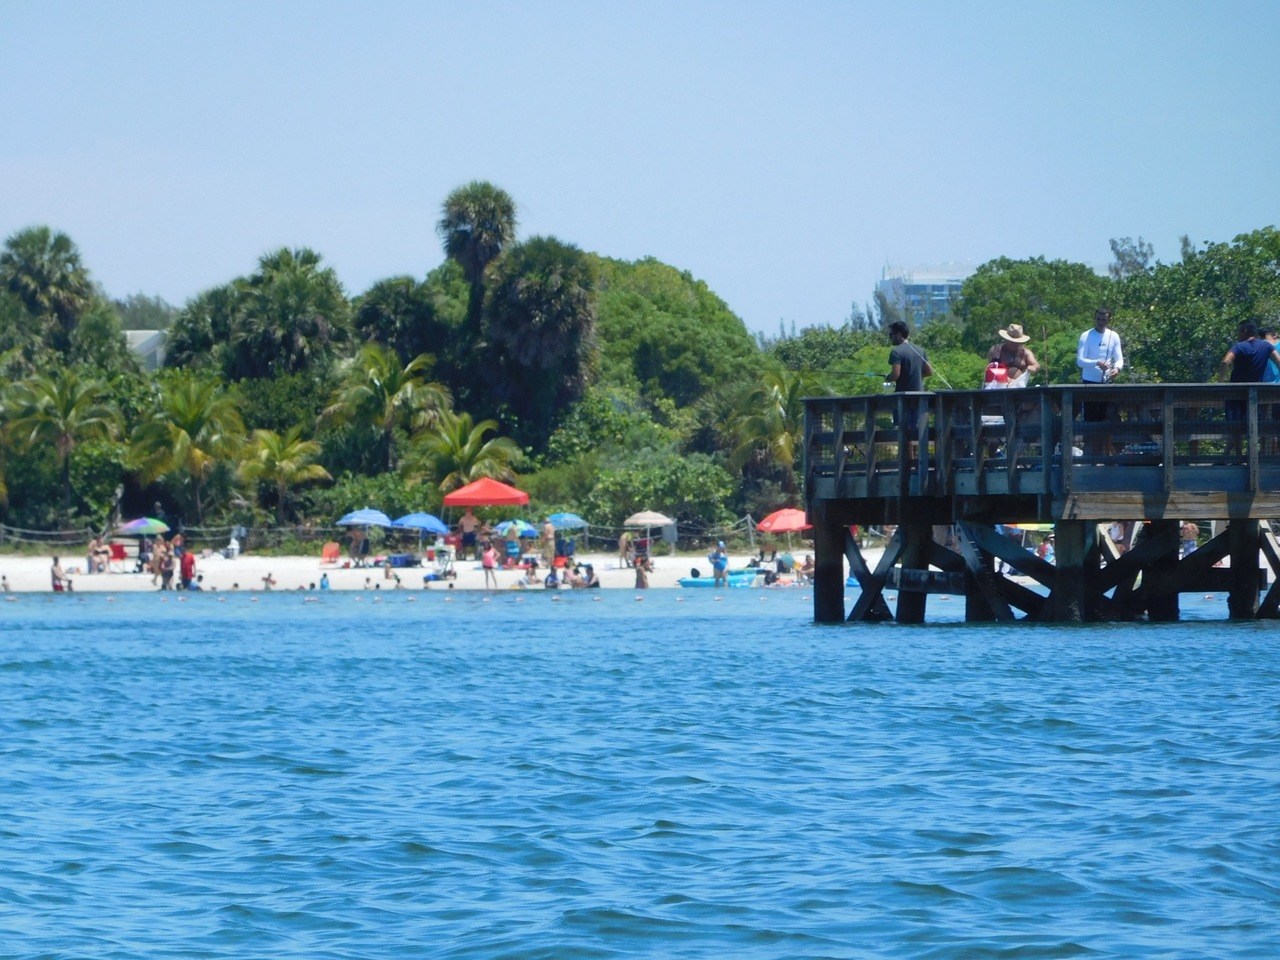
[
  {"x": 768, "y": 430},
  {"x": 292, "y": 315},
  {"x": 1047, "y": 297},
  {"x": 140, "y": 312},
  {"x": 43, "y": 270},
  {"x": 281, "y": 462},
  {"x": 689, "y": 488},
  {"x": 200, "y": 335},
  {"x": 379, "y": 396},
  {"x": 816, "y": 349},
  {"x": 477, "y": 222},
  {"x": 401, "y": 314},
  {"x": 196, "y": 429},
  {"x": 457, "y": 451},
  {"x": 1129, "y": 257},
  {"x": 61, "y": 410},
  {"x": 540, "y": 334},
  {"x": 1179, "y": 319},
  {"x": 610, "y": 421},
  {"x": 98, "y": 342},
  {"x": 392, "y": 493},
  {"x": 667, "y": 335}
]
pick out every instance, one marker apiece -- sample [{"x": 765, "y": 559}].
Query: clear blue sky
[{"x": 782, "y": 152}]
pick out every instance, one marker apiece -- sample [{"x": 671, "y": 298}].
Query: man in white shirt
[{"x": 1099, "y": 357}]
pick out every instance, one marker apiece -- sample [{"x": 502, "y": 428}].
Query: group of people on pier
[{"x": 1252, "y": 358}]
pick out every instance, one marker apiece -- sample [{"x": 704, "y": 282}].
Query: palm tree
[
  {"x": 43, "y": 270},
  {"x": 62, "y": 411},
  {"x": 770, "y": 430},
  {"x": 282, "y": 461},
  {"x": 378, "y": 394},
  {"x": 478, "y": 222},
  {"x": 539, "y": 332},
  {"x": 455, "y": 452},
  {"x": 290, "y": 315},
  {"x": 196, "y": 428}
]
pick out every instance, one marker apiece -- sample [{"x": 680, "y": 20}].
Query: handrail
[{"x": 1149, "y": 438}]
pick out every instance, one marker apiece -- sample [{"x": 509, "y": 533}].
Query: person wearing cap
[
  {"x": 719, "y": 558},
  {"x": 1010, "y": 353}
]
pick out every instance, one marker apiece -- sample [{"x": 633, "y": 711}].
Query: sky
[{"x": 784, "y": 153}]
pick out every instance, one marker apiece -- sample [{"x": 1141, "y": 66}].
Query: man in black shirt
[{"x": 908, "y": 366}]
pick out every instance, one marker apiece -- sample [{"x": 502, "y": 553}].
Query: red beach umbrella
[{"x": 787, "y": 520}]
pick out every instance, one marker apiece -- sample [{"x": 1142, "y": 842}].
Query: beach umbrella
[
  {"x": 786, "y": 520},
  {"x": 567, "y": 521},
  {"x": 523, "y": 528},
  {"x": 486, "y": 492},
  {"x": 365, "y": 518},
  {"x": 647, "y": 518},
  {"x": 423, "y": 522},
  {"x": 142, "y": 527}
]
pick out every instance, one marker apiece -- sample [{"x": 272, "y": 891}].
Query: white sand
[{"x": 31, "y": 574}]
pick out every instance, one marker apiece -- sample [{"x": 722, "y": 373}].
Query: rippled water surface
[{"x": 612, "y": 778}]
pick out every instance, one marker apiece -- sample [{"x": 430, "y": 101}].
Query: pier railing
[{"x": 1063, "y": 451}]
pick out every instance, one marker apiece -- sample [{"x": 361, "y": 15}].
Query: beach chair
[
  {"x": 119, "y": 557},
  {"x": 330, "y": 553}
]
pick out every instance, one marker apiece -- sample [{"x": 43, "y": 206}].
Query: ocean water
[{"x": 600, "y": 777}]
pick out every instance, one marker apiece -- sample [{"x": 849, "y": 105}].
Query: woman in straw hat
[{"x": 1010, "y": 353}]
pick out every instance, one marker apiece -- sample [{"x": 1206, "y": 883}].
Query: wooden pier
[{"x": 947, "y": 468}]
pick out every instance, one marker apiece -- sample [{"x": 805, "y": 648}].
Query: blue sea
[{"x": 684, "y": 776}]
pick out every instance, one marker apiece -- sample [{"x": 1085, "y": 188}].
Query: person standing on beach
[
  {"x": 719, "y": 558},
  {"x": 489, "y": 560},
  {"x": 548, "y": 542},
  {"x": 468, "y": 524},
  {"x": 59, "y": 580}
]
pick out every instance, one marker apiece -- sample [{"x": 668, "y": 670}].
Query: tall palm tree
[
  {"x": 770, "y": 428},
  {"x": 43, "y": 269},
  {"x": 379, "y": 394},
  {"x": 455, "y": 452},
  {"x": 283, "y": 461},
  {"x": 197, "y": 427},
  {"x": 539, "y": 332},
  {"x": 478, "y": 221},
  {"x": 62, "y": 411},
  {"x": 291, "y": 314}
]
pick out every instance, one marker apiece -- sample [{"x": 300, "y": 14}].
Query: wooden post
[
  {"x": 917, "y": 539},
  {"x": 1076, "y": 548},
  {"x": 1163, "y": 607},
  {"x": 1243, "y": 546},
  {"x": 828, "y": 573}
]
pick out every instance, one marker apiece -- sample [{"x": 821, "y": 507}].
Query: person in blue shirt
[
  {"x": 324, "y": 581},
  {"x": 1245, "y": 362},
  {"x": 719, "y": 558}
]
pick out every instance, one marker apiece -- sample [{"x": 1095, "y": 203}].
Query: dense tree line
[{"x": 602, "y": 386}]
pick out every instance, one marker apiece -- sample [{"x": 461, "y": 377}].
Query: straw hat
[{"x": 1014, "y": 334}]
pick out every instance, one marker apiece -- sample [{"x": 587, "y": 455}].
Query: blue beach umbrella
[
  {"x": 567, "y": 521},
  {"x": 426, "y": 522},
  {"x": 524, "y": 529},
  {"x": 365, "y": 518}
]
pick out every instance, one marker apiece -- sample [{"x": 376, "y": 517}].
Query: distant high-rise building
[{"x": 924, "y": 292}]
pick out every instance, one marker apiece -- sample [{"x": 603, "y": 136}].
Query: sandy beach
[{"x": 248, "y": 572}]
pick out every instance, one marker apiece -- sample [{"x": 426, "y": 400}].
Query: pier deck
[{"x": 946, "y": 468}]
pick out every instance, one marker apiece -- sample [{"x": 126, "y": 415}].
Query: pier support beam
[
  {"x": 917, "y": 538},
  {"x": 1162, "y": 607},
  {"x": 1242, "y": 547},
  {"x": 828, "y": 573},
  {"x": 1077, "y": 561}
]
